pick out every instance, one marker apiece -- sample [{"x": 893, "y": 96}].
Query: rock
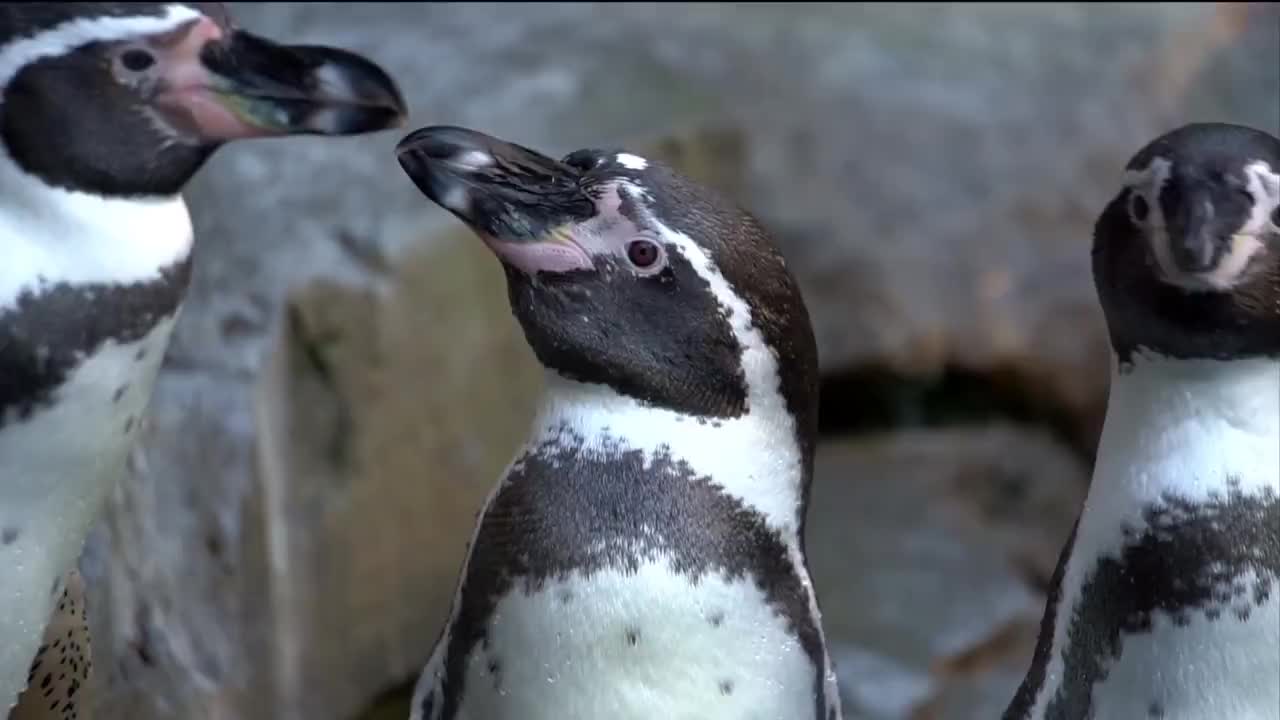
[
  {"x": 876, "y": 688},
  {"x": 930, "y": 551},
  {"x": 346, "y": 381}
]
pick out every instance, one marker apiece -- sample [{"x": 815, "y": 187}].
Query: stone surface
[
  {"x": 930, "y": 550},
  {"x": 346, "y": 382}
]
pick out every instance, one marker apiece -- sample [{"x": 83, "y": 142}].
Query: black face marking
[
  {"x": 108, "y": 147},
  {"x": 1143, "y": 310},
  {"x": 1189, "y": 559},
  {"x": 137, "y": 161},
  {"x": 51, "y": 330},
  {"x": 660, "y": 339},
  {"x": 561, "y": 510}
]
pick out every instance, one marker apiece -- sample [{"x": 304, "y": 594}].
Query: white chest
[
  {"x": 53, "y": 236},
  {"x": 1199, "y": 440},
  {"x": 636, "y": 647}
]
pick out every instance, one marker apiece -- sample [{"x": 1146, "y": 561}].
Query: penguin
[
  {"x": 1166, "y": 600},
  {"x": 643, "y": 554},
  {"x": 106, "y": 111}
]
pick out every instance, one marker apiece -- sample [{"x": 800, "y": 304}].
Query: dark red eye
[
  {"x": 642, "y": 253},
  {"x": 1138, "y": 206}
]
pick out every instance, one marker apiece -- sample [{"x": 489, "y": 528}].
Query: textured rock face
[{"x": 346, "y": 380}]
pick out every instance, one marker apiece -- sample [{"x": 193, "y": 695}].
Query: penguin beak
[
  {"x": 521, "y": 203},
  {"x": 1193, "y": 244},
  {"x": 222, "y": 84}
]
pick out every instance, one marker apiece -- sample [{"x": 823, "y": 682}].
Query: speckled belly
[
  {"x": 648, "y": 645},
  {"x": 57, "y": 466}
]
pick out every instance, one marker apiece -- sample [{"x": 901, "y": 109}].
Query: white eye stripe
[
  {"x": 1146, "y": 184},
  {"x": 71, "y": 34},
  {"x": 1264, "y": 186}
]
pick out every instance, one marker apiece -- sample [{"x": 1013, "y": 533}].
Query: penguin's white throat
[
  {"x": 60, "y": 236},
  {"x": 1244, "y": 393},
  {"x": 755, "y": 457},
  {"x": 1192, "y": 426}
]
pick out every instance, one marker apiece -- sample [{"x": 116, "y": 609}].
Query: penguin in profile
[
  {"x": 1166, "y": 601},
  {"x": 106, "y": 111},
  {"x": 643, "y": 555}
]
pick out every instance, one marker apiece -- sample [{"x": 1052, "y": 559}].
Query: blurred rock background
[{"x": 347, "y": 381}]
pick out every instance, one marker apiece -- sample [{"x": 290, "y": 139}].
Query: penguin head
[
  {"x": 1186, "y": 256},
  {"x": 623, "y": 272},
  {"x": 129, "y": 99}
]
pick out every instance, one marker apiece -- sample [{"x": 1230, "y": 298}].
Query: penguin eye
[
  {"x": 643, "y": 254},
  {"x": 1138, "y": 207},
  {"x": 136, "y": 60}
]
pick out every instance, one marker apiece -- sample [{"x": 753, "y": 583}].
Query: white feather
[{"x": 69, "y": 35}]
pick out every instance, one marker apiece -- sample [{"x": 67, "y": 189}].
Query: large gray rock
[
  {"x": 929, "y": 551},
  {"x": 346, "y": 381}
]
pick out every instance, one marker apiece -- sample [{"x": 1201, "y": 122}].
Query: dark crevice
[{"x": 874, "y": 399}]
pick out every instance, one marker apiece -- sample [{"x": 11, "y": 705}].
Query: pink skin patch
[
  {"x": 188, "y": 94},
  {"x": 530, "y": 258}
]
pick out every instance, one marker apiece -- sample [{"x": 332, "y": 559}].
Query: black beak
[
  {"x": 505, "y": 192},
  {"x": 1196, "y": 242},
  {"x": 228, "y": 83},
  {"x": 305, "y": 88}
]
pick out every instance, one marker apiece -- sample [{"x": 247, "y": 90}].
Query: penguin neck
[
  {"x": 755, "y": 457},
  {"x": 52, "y": 235},
  {"x": 1192, "y": 427}
]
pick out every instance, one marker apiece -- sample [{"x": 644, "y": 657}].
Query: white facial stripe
[
  {"x": 1234, "y": 262},
  {"x": 1264, "y": 185},
  {"x": 1147, "y": 184},
  {"x": 74, "y": 33},
  {"x": 631, "y": 162}
]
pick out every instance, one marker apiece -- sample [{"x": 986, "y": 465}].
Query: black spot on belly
[
  {"x": 1155, "y": 710},
  {"x": 119, "y": 393},
  {"x": 53, "y": 328},
  {"x": 564, "y": 510},
  {"x": 8, "y": 536},
  {"x": 726, "y": 687},
  {"x": 1189, "y": 558}
]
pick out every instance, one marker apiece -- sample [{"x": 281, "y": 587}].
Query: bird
[
  {"x": 642, "y": 556},
  {"x": 106, "y": 111},
  {"x": 1166, "y": 599}
]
